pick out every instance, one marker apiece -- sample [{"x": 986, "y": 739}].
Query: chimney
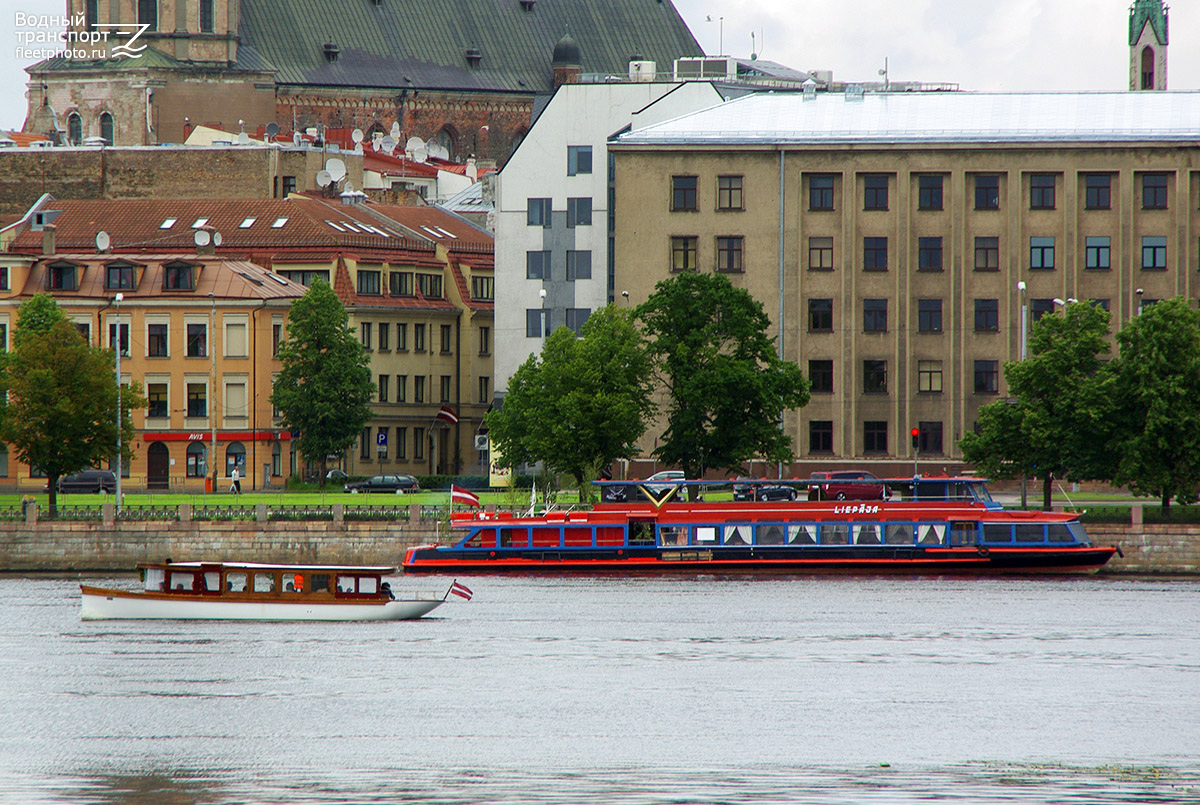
[{"x": 48, "y": 246}]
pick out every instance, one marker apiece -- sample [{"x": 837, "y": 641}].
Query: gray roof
[
  {"x": 767, "y": 118},
  {"x": 422, "y": 44}
]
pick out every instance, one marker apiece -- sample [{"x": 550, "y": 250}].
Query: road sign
[{"x": 381, "y": 439}]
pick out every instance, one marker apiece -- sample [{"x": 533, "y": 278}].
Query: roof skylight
[
  {"x": 246, "y": 224},
  {"x": 279, "y": 222},
  {"x": 167, "y": 224}
]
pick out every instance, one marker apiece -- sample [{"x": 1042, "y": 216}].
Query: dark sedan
[
  {"x": 88, "y": 481},
  {"x": 754, "y": 489},
  {"x": 396, "y": 484}
]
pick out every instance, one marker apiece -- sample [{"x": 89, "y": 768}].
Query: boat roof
[{"x": 382, "y": 570}]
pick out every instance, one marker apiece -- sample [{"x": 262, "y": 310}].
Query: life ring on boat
[{"x": 983, "y": 551}]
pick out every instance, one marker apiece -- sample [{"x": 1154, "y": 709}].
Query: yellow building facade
[{"x": 897, "y": 240}]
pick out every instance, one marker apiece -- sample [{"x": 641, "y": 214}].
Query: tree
[
  {"x": 1056, "y": 423},
  {"x": 726, "y": 388},
  {"x": 1156, "y": 374},
  {"x": 580, "y": 406},
  {"x": 62, "y": 397},
  {"x": 325, "y": 384}
]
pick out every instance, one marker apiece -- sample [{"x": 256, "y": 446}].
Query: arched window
[
  {"x": 206, "y": 16},
  {"x": 446, "y": 138},
  {"x": 235, "y": 456},
  {"x": 74, "y": 128},
  {"x": 106, "y": 128},
  {"x": 148, "y": 13},
  {"x": 517, "y": 139},
  {"x": 1147, "y": 68},
  {"x": 197, "y": 460}
]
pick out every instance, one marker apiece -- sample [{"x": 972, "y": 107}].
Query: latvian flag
[
  {"x": 460, "y": 495},
  {"x": 461, "y": 590},
  {"x": 448, "y": 415}
]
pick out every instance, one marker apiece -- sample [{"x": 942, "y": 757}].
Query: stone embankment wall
[{"x": 99, "y": 546}]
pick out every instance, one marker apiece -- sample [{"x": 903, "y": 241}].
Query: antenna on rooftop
[
  {"x": 103, "y": 241},
  {"x": 336, "y": 169},
  {"x": 323, "y": 178}
]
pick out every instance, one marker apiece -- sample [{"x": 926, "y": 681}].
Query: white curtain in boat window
[
  {"x": 768, "y": 535},
  {"x": 154, "y": 578},
  {"x": 899, "y": 534},
  {"x": 932, "y": 533},
  {"x": 802, "y": 534},
  {"x": 737, "y": 535},
  {"x": 866, "y": 534}
]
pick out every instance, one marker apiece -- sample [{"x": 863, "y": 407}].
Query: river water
[{"x": 821, "y": 690}]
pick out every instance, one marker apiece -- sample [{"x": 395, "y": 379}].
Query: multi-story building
[
  {"x": 416, "y": 283},
  {"x": 196, "y": 331},
  {"x": 553, "y": 223},
  {"x": 897, "y": 240}
]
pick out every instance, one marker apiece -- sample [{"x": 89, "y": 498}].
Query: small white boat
[{"x": 257, "y": 592}]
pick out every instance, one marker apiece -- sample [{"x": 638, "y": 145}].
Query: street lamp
[
  {"x": 1024, "y": 328},
  {"x": 120, "y": 343},
  {"x": 212, "y": 382},
  {"x": 1139, "y": 296}
]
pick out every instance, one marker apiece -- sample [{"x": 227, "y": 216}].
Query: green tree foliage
[
  {"x": 325, "y": 385},
  {"x": 62, "y": 407},
  {"x": 580, "y": 406},
  {"x": 1056, "y": 424},
  {"x": 1156, "y": 378},
  {"x": 726, "y": 388}
]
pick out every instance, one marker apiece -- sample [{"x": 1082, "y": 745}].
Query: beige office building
[{"x": 895, "y": 239}]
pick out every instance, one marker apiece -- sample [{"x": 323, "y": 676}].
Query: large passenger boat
[
  {"x": 926, "y": 525},
  {"x": 261, "y": 592}
]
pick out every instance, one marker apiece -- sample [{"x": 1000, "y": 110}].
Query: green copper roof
[
  {"x": 1143, "y": 11},
  {"x": 422, "y": 44}
]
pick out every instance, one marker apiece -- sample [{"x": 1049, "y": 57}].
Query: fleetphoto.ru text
[{"x": 48, "y": 36}]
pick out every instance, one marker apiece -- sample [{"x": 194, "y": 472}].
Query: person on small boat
[{"x": 387, "y": 590}]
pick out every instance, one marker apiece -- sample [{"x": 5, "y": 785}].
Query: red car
[{"x": 846, "y": 485}]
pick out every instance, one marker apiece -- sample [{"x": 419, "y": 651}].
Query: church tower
[{"x": 1148, "y": 45}]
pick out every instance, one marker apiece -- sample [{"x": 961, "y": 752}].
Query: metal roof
[
  {"x": 418, "y": 44},
  {"x": 931, "y": 117}
]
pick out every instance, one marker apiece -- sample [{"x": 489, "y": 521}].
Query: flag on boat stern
[
  {"x": 447, "y": 415},
  {"x": 460, "y": 495},
  {"x": 461, "y": 590}
]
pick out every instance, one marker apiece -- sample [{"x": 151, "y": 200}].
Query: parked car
[
  {"x": 336, "y": 476},
  {"x": 846, "y": 485},
  {"x": 759, "y": 489},
  {"x": 671, "y": 476},
  {"x": 88, "y": 481},
  {"x": 397, "y": 484}
]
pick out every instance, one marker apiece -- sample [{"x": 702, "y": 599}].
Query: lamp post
[
  {"x": 1139, "y": 296},
  {"x": 1024, "y": 316},
  {"x": 120, "y": 343}
]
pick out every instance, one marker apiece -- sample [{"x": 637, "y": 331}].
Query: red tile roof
[{"x": 224, "y": 279}]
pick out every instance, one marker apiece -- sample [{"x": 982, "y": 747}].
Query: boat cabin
[{"x": 266, "y": 581}]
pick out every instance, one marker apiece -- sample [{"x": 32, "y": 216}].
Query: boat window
[
  {"x": 964, "y": 532},
  {"x": 802, "y": 534},
  {"x": 1061, "y": 532},
  {"x": 153, "y": 578},
  {"x": 981, "y": 492},
  {"x": 182, "y": 581},
  {"x": 476, "y": 540},
  {"x": 547, "y": 537},
  {"x": 997, "y": 532},
  {"x": 235, "y": 582},
  {"x": 368, "y": 585},
  {"x": 961, "y": 491},
  {"x": 737, "y": 535},
  {"x": 610, "y": 535},
  {"x": 930, "y": 490},
  {"x": 899, "y": 534},
  {"x": 345, "y": 585},
  {"x": 706, "y": 533},
  {"x": 673, "y": 535},
  {"x": 866, "y": 534},
  {"x": 576, "y": 537},
  {"x": 1030, "y": 532},
  {"x": 212, "y": 581},
  {"x": 769, "y": 535},
  {"x": 319, "y": 583},
  {"x": 264, "y": 582},
  {"x": 641, "y": 532},
  {"x": 1077, "y": 532},
  {"x": 835, "y": 534},
  {"x": 931, "y": 534},
  {"x": 514, "y": 538},
  {"x": 293, "y": 582}
]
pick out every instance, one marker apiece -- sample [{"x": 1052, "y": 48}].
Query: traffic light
[{"x": 916, "y": 435}]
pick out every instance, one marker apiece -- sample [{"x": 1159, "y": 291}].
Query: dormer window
[
  {"x": 179, "y": 276},
  {"x": 120, "y": 276},
  {"x": 527, "y": 5},
  {"x": 474, "y": 57},
  {"x": 331, "y": 52},
  {"x": 62, "y": 276}
]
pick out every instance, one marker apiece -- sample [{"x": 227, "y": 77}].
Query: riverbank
[{"x": 88, "y": 546}]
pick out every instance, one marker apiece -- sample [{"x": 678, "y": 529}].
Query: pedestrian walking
[{"x": 236, "y": 477}]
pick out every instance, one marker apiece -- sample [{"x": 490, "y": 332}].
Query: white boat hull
[{"x": 118, "y": 605}]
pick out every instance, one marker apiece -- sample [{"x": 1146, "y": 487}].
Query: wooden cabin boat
[
  {"x": 259, "y": 592},
  {"x": 934, "y": 525}
]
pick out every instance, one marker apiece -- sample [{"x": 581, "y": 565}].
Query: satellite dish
[
  {"x": 324, "y": 179},
  {"x": 272, "y": 130},
  {"x": 349, "y": 188},
  {"x": 336, "y": 168},
  {"x": 357, "y": 135},
  {"x": 202, "y": 237},
  {"x": 103, "y": 241},
  {"x": 243, "y": 138},
  {"x": 414, "y": 143},
  {"x": 442, "y": 151},
  {"x": 388, "y": 144},
  {"x": 395, "y": 129},
  {"x": 419, "y": 153},
  {"x": 217, "y": 238}
]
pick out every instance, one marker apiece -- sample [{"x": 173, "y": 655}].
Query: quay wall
[{"x": 88, "y": 546}]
